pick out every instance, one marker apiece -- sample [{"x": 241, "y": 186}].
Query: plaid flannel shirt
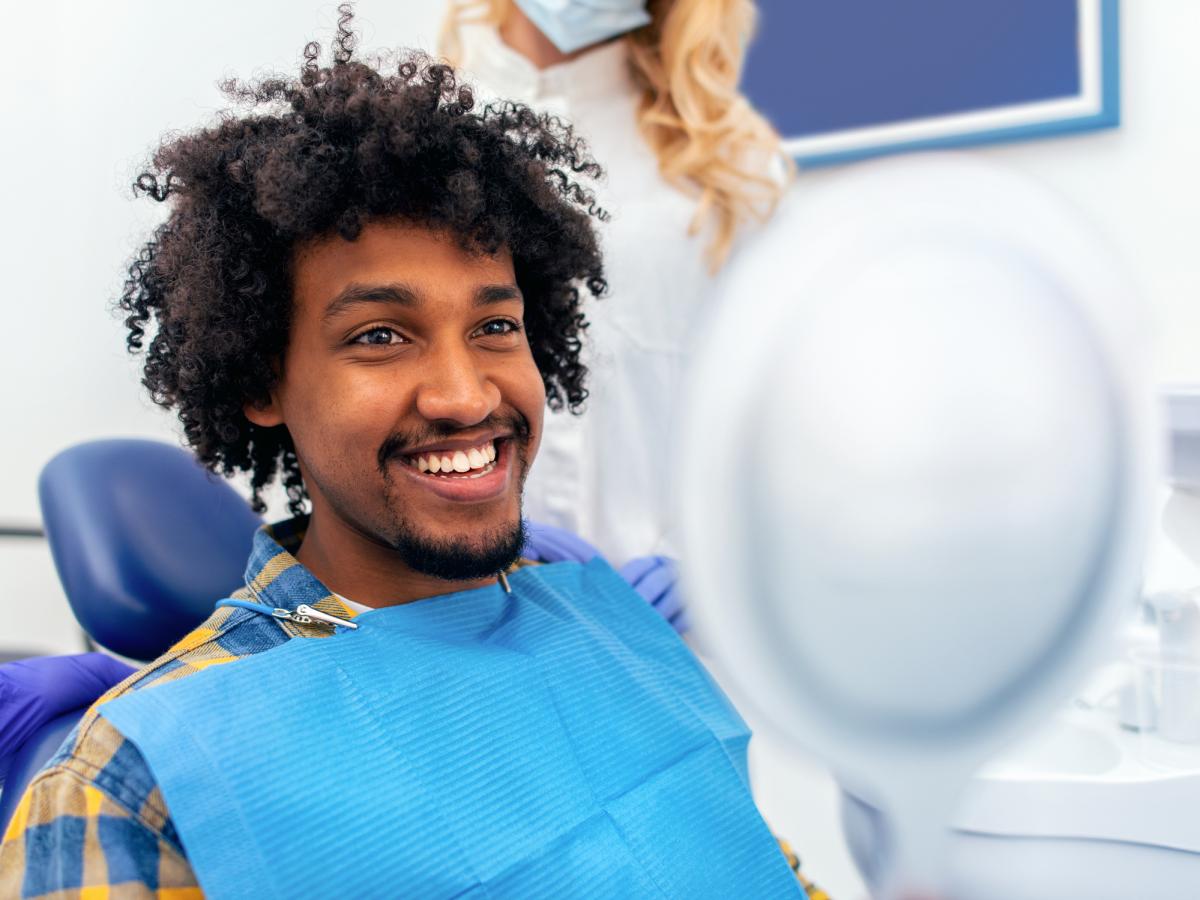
[{"x": 93, "y": 825}]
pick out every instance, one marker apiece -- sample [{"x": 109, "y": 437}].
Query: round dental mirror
[{"x": 921, "y": 455}]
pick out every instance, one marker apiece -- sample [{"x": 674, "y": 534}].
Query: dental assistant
[{"x": 691, "y": 167}]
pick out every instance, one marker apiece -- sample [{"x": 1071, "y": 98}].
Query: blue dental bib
[{"x": 559, "y": 741}]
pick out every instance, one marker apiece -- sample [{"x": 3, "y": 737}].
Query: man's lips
[
  {"x": 485, "y": 481},
  {"x": 451, "y": 445}
]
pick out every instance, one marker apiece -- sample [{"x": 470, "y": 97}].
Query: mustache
[{"x": 395, "y": 443}]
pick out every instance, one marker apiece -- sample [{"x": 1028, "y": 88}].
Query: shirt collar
[
  {"x": 601, "y": 73},
  {"x": 276, "y": 578}
]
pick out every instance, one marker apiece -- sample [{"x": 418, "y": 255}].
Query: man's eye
[
  {"x": 378, "y": 336},
  {"x": 499, "y": 327}
]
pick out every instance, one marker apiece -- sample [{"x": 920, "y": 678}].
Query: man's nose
[{"x": 455, "y": 388}]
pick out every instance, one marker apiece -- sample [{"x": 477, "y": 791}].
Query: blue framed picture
[{"x": 848, "y": 79}]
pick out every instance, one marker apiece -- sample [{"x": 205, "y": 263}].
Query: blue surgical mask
[{"x": 574, "y": 24}]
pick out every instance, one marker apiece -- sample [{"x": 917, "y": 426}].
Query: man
[{"x": 371, "y": 290}]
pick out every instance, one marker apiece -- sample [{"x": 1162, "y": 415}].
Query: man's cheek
[
  {"x": 341, "y": 449},
  {"x": 535, "y": 436}
]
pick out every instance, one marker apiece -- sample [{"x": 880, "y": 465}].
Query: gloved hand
[
  {"x": 550, "y": 544},
  {"x": 656, "y": 578},
  {"x": 35, "y": 691}
]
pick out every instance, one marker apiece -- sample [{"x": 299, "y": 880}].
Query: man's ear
[{"x": 264, "y": 414}]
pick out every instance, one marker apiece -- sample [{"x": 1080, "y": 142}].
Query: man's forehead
[{"x": 397, "y": 262}]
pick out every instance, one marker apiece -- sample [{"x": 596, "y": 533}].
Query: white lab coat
[{"x": 607, "y": 474}]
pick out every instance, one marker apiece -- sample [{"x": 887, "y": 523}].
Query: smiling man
[
  {"x": 370, "y": 290},
  {"x": 409, "y": 383}
]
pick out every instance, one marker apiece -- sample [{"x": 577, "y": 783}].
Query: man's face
[{"x": 411, "y": 394}]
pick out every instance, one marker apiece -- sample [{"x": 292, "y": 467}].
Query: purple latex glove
[
  {"x": 35, "y": 691},
  {"x": 656, "y": 578},
  {"x": 549, "y": 544}
]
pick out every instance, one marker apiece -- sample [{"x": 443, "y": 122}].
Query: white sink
[
  {"x": 1084, "y": 776},
  {"x": 1077, "y": 811},
  {"x": 1064, "y": 748}
]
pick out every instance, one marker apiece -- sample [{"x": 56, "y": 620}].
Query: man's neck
[
  {"x": 519, "y": 32},
  {"x": 350, "y": 564}
]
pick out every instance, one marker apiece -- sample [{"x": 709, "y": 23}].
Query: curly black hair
[{"x": 323, "y": 154}]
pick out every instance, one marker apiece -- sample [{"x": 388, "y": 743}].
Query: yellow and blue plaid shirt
[{"x": 93, "y": 825}]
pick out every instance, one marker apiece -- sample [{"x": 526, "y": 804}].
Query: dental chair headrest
[{"x": 144, "y": 539}]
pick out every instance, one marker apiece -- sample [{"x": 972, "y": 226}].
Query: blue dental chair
[{"x": 144, "y": 539}]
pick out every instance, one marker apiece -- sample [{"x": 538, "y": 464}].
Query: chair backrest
[{"x": 145, "y": 540}]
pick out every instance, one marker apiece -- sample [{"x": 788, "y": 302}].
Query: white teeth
[{"x": 477, "y": 460}]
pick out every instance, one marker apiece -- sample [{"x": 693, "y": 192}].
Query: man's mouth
[
  {"x": 478, "y": 465},
  {"x": 456, "y": 463}
]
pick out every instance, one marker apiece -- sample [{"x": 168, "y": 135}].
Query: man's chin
[{"x": 462, "y": 557}]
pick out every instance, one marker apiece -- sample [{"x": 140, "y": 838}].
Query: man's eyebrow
[
  {"x": 355, "y": 294},
  {"x": 497, "y": 293}
]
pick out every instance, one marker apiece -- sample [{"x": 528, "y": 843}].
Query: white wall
[
  {"x": 115, "y": 76},
  {"x": 106, "y": 81},
  {"x": 1141, "y": 183}
]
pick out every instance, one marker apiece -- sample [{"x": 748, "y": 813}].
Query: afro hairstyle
[{"x": 208, "y": 297}]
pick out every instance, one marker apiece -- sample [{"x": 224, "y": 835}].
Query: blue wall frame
[{"x": 850, "y": 79}]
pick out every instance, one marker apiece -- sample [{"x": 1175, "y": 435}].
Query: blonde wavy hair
[{"x": 708, "y": 139}]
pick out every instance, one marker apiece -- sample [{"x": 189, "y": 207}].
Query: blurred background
[{"x": 91, "y": 89}]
